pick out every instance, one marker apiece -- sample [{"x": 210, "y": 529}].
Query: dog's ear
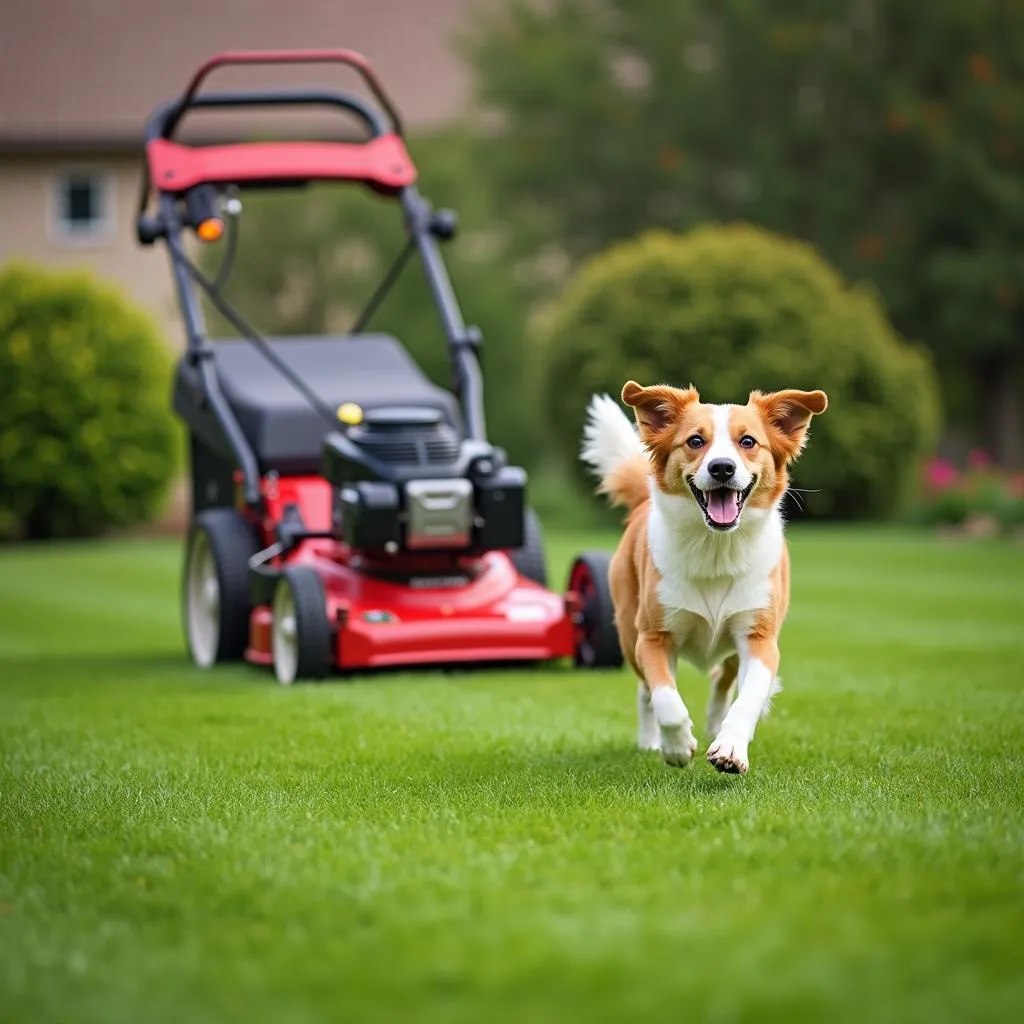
[
  {"x": 657, "y": 407},
  {"x": 787, "y": 415}
]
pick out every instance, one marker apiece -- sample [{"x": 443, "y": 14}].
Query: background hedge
[
  {"x": 733, "y": 308},
  {"x": 87, "y": 440}
]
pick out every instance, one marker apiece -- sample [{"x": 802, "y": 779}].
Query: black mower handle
[
  {"x": 165, "y": 119},
  {"x": 349, "y": 58}
]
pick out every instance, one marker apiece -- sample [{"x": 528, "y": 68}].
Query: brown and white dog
[{"x": 702, "y": 570}]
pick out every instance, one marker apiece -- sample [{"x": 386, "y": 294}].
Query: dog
[{"x": 702, "y": 569}]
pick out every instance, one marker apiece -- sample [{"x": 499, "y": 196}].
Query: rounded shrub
[
  {"x": 732, "y": 309},
  {"x": 87, "y": 440}
]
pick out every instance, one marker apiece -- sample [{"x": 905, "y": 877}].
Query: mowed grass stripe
[{"x": 89, "y": 599}]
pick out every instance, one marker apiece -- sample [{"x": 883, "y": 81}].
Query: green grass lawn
[{"x": 186, "y": 847}]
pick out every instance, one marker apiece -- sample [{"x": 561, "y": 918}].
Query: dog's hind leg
[
  {"x": 648, "y": 736},
  {"x": 723, "y": 678}
]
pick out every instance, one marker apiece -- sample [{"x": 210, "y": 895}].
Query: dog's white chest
[
  {"x": 712, "y": 586},
  {"x": 707, "y": 616}
]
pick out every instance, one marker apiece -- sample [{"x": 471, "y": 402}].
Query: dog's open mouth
[{"x": 721, "y": 505}]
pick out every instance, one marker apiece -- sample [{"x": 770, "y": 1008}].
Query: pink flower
[
  {"x": 941, "y": 474},
  {"x": 978, "y": 459}
]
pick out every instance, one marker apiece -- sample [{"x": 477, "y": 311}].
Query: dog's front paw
[
  {"x": 678, "y": 744},
  {"x": 675, "y": 729},
  {"x": 728, "y": 753}
]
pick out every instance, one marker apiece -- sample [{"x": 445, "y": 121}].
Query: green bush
[
  {"x": 86, "y": 434},
  {"x": 735, "y": 308}
]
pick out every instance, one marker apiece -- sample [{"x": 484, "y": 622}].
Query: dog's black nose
[{"x": 722, "y": 469}]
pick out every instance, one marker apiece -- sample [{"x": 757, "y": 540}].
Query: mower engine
[{"x": 404, "y": 482}]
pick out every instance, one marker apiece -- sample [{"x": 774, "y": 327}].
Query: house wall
[
  {"x": 27, "y": 232},
  {"x": 92, "y": 85}
]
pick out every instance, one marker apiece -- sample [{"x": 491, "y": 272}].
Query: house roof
[{"x": 88, "y": 74}]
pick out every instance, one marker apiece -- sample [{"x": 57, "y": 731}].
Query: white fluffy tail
[
  {"x": 614, "y": 452},
  {"x": 609, "y": 438}
]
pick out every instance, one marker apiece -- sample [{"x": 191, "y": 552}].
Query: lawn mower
[{"x": 346, "y": 513}]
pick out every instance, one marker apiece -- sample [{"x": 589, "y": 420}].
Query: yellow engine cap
[{"x": 350, "y": 413}]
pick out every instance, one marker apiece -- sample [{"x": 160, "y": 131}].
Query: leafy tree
[{"x": 886, "y": 132}]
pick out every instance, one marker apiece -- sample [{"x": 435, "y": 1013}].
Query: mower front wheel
[
  {"x": 597, "y": 638},
  {"x": 215, "y": 590},
  {"x": 301, "y": 633}
]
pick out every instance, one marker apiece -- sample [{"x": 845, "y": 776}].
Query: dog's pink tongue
[{"x": 723, "y": 506}]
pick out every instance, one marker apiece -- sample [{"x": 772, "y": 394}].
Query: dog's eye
[
  {"x": 746, "y": 441},
  {"x": 696, "y": 441}
]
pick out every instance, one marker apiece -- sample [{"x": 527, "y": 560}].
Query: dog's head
[{"x": 725, "y": 457}]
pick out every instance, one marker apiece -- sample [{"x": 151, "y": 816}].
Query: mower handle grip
[
  {"x": 349, "y": 58},
  {"x": 163, "y": 120}
]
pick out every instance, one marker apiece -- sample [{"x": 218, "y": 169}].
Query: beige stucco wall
[{"x": 27, "y": 232}]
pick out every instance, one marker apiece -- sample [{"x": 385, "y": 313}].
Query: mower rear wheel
[
  {"x": 597, "y": 638},
  {"x": 530, "y": 560},
  {"x": 301, "y": 633},
  {"x": 215, "y": 587}
]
